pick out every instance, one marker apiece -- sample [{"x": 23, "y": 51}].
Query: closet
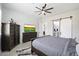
[{"x": 10, "y": 36}]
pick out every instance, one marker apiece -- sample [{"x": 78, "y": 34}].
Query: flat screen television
[{"x": 29, "y": 28}]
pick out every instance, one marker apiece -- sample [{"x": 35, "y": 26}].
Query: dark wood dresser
[
  {"x": 10, "y": 36},
  {"x": 27, "y": 36}
]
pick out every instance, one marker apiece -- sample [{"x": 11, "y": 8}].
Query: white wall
[
  {"x": 18, "y": 17},
  {"x": 48, "y": 27},
  {"x": 0, "y": 18}
]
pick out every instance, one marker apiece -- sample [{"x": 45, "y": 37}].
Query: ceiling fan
[{"x": 43, "y": 10}]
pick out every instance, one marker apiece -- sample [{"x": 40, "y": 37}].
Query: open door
[{"x": 56, "y": 28}]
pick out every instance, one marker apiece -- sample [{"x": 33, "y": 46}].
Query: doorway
[{"x": 56, "y": 28}]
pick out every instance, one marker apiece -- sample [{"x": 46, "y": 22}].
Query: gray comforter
[{"x": 54, "y": 46}]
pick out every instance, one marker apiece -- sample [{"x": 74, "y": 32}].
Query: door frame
[{"x": 53, "y": 25}]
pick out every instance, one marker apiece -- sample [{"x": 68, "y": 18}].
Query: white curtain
[{"x": 65, "y": 28}]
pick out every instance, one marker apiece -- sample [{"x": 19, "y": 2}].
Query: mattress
[{"x": 52, "y": 46}]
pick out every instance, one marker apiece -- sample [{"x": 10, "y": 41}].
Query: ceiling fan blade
[
  {"x": 49, "y": 8},
  {"x": 38, "y": 8},
  {"x": 44, "y": 6},
  {"x": 44, "y": 14},
  {"x": 48, "y": 11},
  {"x": 37, "y": 11},
  {"x": 40, "y": 13}
]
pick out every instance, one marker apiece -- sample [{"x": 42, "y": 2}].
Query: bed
[{"x": 54, "y": 46}]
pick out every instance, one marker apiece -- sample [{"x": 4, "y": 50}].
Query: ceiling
[{"x": 29, "y": 8}]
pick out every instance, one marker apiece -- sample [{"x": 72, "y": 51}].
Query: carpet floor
[{"x": 23, "y": 49}]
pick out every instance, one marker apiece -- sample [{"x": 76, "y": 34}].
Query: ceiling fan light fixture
[{"x": 43, "y": 11}]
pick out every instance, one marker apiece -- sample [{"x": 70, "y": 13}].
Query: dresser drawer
[{"x": 28, "y": 36}]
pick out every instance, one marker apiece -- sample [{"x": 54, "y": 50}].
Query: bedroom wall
[
  {"x": 18, "y": 17},
  {"x": 0, "y": 28},
  {"x": 75, "y": 19},
  {"x": 48, "y": 29}
]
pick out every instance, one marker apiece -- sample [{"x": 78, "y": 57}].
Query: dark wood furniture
[
  {"x": 27, "y": 36},
  {"x": 38, "y": 52},
  {"x": 17, "y": 34},
  {"x": 34, "y": 50},
  {"x": 10, "y": 36}
]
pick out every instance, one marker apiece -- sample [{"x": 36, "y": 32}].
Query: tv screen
[{"x": 29, "y": 28}]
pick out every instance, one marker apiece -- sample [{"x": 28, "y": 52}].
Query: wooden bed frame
[{"x": 36, "y": 51}]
